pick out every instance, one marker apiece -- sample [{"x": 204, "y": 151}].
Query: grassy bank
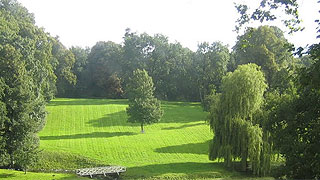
[
  {"x": 97, "y": 131},
  {"x": 19, "y": 175}
]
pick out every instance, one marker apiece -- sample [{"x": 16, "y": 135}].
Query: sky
[{"x": 189, "y": 22}]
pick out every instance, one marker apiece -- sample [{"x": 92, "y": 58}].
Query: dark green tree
[
  {"x": 81, "y": 59},
  {"x": 296, "y": 119},
  {"x": 211, "y": 64},
  {"x": 169, "y": 64},
  {"x": 63, "y": 61},
  {"x": 28, "y": 154},
  {"x": 237, "y": 133},
  {"x": 266, "y": 47},
  {"x": 181, "y": 80},
  {"x": 80, "y": 70},
  {"x": 3, "y": 120},
  {"x": 104, "y": 65},
  {"x": 143, "y": 108},
  {"x": 294, "y": 116},
  {"x": 24, "y": 111},
  {"x": 27, "y": 81},
  {"x": 305, "y": 61},
  {"x": 137, "y": 51}
]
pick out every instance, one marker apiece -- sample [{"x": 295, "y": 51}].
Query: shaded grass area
[
  {"x": 51, "y": 161},
  {"x": 191, "y": 148},
  {"x": 95, "y": 132},
  {"x": 182, "y": 126},
  {"x": 85, "y": 102},
  {"x": 187, "y": 170},
  {"x": 19, "y": 175},
  {"x": 88, "y": 135}
]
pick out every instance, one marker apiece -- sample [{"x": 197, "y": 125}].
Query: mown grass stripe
[{"x": 98, "y": 129}]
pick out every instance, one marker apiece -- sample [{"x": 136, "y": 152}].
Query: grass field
[
  {"x": 96, "y": 130},
  {"x": 19, "y": 175}
]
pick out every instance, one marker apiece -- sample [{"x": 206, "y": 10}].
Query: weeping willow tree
[{"x": 238, "y": 132}]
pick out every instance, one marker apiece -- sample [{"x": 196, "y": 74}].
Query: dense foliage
[
  {"x": 237, "y": 133},
  {"x": 266, "y": 47},
  {"x": 295, "y": 118},
  {"x": 29, "y": 70},
  {"x": 177, "y": 72},
  {"x": 211, "y": 65},
  {"x": 292, "y": 112},
  {"x": 143, "y": 107},
  {"x": 26, "y": 77}
]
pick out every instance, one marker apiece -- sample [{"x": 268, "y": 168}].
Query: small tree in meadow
[{"x": 143, "y": 108}]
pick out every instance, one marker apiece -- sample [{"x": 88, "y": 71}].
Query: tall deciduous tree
[
  {"x": 24, "y": 111},
  {"x": 295, "y": 123},
  {"x": 143, "y": 108},
  {"x": 267, "y": 47},
  {"x": 211, "y": 64},
  {"x": 169, "y": 64},
  {"x": 104, "y": 65},
  {"x": 237, "y": 134},
  {"x": 26, "y": 81},
  {"x": 80, "y": 70},
  {"x": 63, "y": 62}
]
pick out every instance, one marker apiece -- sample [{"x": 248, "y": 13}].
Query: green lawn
[
  {"x": 19, "y": 175},
  {"x": 96, "y": 130}
]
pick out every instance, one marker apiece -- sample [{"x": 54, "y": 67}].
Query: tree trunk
[
  {"x": 200, "y": 95},
  {"x": 142, "y": 131}
]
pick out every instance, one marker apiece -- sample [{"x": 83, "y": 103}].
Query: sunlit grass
[
  {"x": 19, "y": 175},
  {"x": 97, "y": 129}
]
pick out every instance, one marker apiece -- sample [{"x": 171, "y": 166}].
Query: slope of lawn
[
  {"x": 19, "y": 175},
  {"x": 97, "y": 129}
]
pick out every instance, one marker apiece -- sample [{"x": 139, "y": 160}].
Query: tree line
[
  {"x": 178, "y": 73},
  {"x": 262, "y": 99}
]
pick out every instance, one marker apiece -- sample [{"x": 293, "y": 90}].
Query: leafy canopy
[
  {"x": 143, "y": 108},
  {"x": 237, "y": 133}
]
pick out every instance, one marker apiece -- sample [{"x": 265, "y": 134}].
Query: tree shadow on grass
[
  {"x": 74, "y": 177},
  {"x": 6, "y": 175},
  {"x": 88, "y": 135},
  {"x": 172, "y": 114},
  {"x": 183, "y": 126},
  {"x": 100, "y": 101},
  {"x": 121, "y": 119},
  {"x": 112, "y": 119},
  {"x": 192, "y": 148},
  {"x": 192, "y": 170},
  {"x": 182, "y": 114},
  {"x": 177, "y": 103},
  {"x": 78, "y": 102}
]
